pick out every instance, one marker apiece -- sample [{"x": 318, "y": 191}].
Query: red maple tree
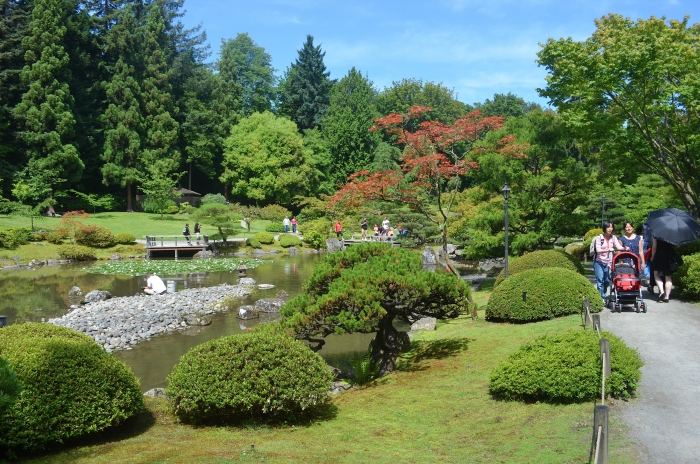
[{"x": 435, "y": 157}]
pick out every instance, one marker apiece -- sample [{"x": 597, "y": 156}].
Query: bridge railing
[{"x": 170, "y": 241}]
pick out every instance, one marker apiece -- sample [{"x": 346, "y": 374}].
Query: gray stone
[
  {"x": 97, "y": 295},
  {"x": 115, "y": 257},
  {"x": 265, "y": 286},
  {"x": 339, "y": 387},
  {"x": 429, "y": 256},
  {"x": 427, "y": 323},
  {"x": 333, "y": 244},
  {"x": 247, "y": 312},
  {"x": 204, "y": 254},
  {"x": 247, "y": 282},
  {"x": 75, "y": 292},
  {"x": 269, "y": 305},
  {"x": 293, "y": 251},
  {"x": 155, "y": 393},
  {"x": 282, "y": 294}
]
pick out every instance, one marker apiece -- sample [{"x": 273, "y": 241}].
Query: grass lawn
[{"x": 435, "y": 408}]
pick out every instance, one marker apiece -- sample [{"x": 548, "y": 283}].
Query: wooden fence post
[
  {"x": 605, "y": 356},
  {"x": 600, "y": 422},
  {"x": 586, "y": 311},
  {"x": 596, "y": 321}
]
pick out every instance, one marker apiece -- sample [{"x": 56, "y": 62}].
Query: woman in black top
[
  {"x": 364, "y": 228},
  {"x": 661, "y": 255}
]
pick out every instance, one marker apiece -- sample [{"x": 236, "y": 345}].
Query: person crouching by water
[
  {"x": 154, "y": 285},
  {"x": 605, "y": 244}
]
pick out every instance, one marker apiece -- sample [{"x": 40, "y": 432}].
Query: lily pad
[{"x": 167, "y": 267}]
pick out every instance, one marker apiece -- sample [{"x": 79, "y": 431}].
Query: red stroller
[{"x": 626, "y": 283}]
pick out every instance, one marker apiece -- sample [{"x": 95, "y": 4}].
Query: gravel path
[{"x": 665, "y": 420}]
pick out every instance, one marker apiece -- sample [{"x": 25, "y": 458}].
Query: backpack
[
  {"x": 591, "y": 249},
  {"x": 184, "y": 231}
]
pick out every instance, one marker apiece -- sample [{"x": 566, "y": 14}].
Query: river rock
[
  {"x": 247, "y": 282},
  {"x": 293, "y": 251},
  {"x": 75, "y": 292},
  {"x": 265, "y": 286},
  {"x": 426, "y": 323},
  {"x": 115, "y": 257},
  {"x": 269, "y": 305},
  {"x": 196, "y": 319},
  {"x": 429, "y": 256},
  {"x": 204, "y": 254},
  {"x": 97, "y": 295},
  {"x": 282, "y": 294},
  {"x": 155, "y": 393},
  {"x": 247, "y": 312},
  {"x": 333, "y": 244}
]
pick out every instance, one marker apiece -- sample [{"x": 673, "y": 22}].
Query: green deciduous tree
[
  {"x": 264, "y": 160},
  {"x": 159, "y": 187},
  {"x": 251, "y": 68},
  {"x": 633, "y": 87},
  {"x": 404, "y": 94},
  {"x": 367, "y": 287},
  {"x": 506, "y": 105},
  {"x": 351, "y": 114},
  {"x": 45, "y": 110},
  {"x": 306, "y": 88}
]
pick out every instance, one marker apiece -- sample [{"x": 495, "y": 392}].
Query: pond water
[{"x": 38, "y": 295}]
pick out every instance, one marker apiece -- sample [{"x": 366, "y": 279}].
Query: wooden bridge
[{"x": 371, "y": 238}]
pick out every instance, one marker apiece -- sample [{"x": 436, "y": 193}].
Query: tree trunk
[
  {"x": 385, "y": 346},
  {"x": 129, "y": 208},
  {"x": 190, "y": 181}
]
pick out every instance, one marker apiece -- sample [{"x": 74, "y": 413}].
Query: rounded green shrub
[
  {"x": 70, "y": 386},
  {"x": 173, "y": 209},
  {"x": 94, "y": 236},
  {"x": 289, "y": 240},
  {"x": 124, "y": 238},
  {"x": 261, "y": 375},
  {"x": 213, "y": 198},
  {"x": 40, "y": 236},
  {"x": 566, "y": 368},
  {"x": 265, "y": 238},
  {"x": 316, "y": 232},
  {"x": 56, "y": 237},
  {"x": 550, "y": 292},
  {"x": 77, "y": 253},
  {"x": 540, "y": 259},
  {"x": 9, "y": 386},
  {"x": 687, "y": 277},
  {"x": 274, "y": 227},
  {"x": 253, "y": 243}
]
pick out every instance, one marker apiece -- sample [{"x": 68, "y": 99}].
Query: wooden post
[
  {"x": 596, "y": 321},
  {"x": 600, "y": 421},
  {"x": 586, "y": 311},
  {"x": 605, "y": 356}
]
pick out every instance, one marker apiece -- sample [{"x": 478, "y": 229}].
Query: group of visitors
[
  {"x": 286, "y": 223},
  {"x": 653, "y": 254},
  {"x": 197, "y": 231}
]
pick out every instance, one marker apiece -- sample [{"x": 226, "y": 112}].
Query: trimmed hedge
[
  {"x": 265, "y": 238},
  {"x": 94, "y": 236},
  {"x": 261, "y": 375},
  {"x": 540, "y": 259},
  {"x": 551, "y": 292},
  {"x": 9, "y": 386},
  {"x": 566, "y": 368},
  {"x": 70, "y": 386},
  {"x": 289, "y": 240},
  {"x": 316, "y": 232},
  {"x": 253, "y": 243},
  {"x": 12, "y": 237},
  {"x": 124, "y": 238},
  {"x": 687, "y": 278},
  {"x": 275, "y": 227},
  {"x": 77, "y": 253}
]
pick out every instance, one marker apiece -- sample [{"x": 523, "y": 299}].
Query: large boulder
[
  {"x": 96, "y": 295},
  {"x": 204, "y": 254},
  {"x": 429, "y": 256},
  {"x": 333, "y": 244},
  {"x": 426, "y": 323},
  {"x": 247, "y": 312},
  {"x": 269, "y": 305},
  {"x": 247, "y": 282}
]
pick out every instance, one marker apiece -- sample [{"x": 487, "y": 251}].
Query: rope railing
[{"x": 600, "y": 412}]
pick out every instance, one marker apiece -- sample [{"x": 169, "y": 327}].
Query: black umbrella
[{"x": 673, "y": 226}]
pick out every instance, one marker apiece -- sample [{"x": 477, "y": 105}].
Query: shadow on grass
[
  {"x": 131, "y": 427},
  {"x": 423, "y": 351},
  {"x": 322, "y": 413}
]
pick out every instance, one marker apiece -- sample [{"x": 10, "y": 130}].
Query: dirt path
[{"x": 665, "y": 420}]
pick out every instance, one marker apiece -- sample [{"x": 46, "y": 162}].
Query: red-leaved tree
[{"x": 435, "y": 157}]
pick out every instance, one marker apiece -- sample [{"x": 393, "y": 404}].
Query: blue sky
[{"x": 476, "y": 47}]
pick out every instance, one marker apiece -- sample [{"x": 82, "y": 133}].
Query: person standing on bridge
[
  {"x": 285, "y": 223},
  {"x": 197, "y": 230},
  {"x": 186, "y": 233},
  {"x": 338, "y": 229},
  {"x": 294, "y": 224},
  {"x": 364, "y": 228}
]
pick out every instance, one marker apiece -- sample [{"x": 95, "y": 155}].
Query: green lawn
[{"x": 436, "y": 408}]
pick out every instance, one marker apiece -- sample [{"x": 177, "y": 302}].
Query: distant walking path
[{"x": 665, "y": 420}]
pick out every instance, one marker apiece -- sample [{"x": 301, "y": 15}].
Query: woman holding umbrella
[{"x": 661, "y": 254}]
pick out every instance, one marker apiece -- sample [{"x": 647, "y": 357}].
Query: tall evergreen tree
[
  {"x": 252, "y": 68},
  {"x": 122, "y": 120},
  {"x": 14, "y": 20},
  {"x": 198, "y": 128},
  {"x": 45, "y": 110},
  {"x": 306, "y": 94},
  {"x": 161, "y": 129},
  {"x": 351, "y": 113}
]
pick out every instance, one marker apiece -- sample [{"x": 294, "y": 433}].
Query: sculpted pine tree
[
  {"x": 45, "y": 110},
  {"x": 364, "y": 289},
  {"x": 346, "y": 126},
  {"x": 161, "y": 129},
  {"x": 122, "y": 120},
  {"x": 307, "y": 90}
]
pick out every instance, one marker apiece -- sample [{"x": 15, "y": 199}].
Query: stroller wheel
[
  {"x": 618, "y": 307},
  {"x": 643, "y": 306}
]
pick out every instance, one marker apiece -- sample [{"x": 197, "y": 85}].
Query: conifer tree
[
  {"x": 45, "y": 110},
  {"x": 122, "y": 120},
  {"x": 351, "y": 114},
  {"x": 307, "y": 88},
  {"x": 161, "y": 129}
]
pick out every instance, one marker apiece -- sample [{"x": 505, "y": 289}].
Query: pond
[{"x": 38, "y": 295}]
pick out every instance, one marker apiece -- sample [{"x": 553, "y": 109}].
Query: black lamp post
[
  {"x": 602, "y": 215},
  {"x": 506, "y": 194}
]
